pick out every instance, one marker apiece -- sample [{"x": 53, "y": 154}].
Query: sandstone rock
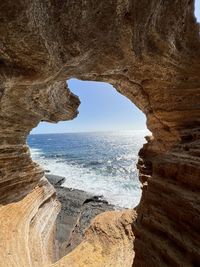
[
  {"x": 107, "y": 242},
  {"x": 151, "y": 53},
  {"x": 77, "y": 210}
]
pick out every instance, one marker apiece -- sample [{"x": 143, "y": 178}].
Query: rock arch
[{"x": 150, "y": 52}]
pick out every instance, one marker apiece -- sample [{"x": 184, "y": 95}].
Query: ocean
[{"x": 100, "y": 163}]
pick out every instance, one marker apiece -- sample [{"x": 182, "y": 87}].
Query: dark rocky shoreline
[{"x": 78, "y": 208}]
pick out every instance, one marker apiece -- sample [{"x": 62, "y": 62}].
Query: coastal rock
[
  {"x": 55, "y": 180},
  {"x": 107, "y": 242},
  {"x": 150, "y": 52},
  {"x": 77, "y": 210}
]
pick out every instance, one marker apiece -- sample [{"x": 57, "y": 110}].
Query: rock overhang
[{"x": 151, "y": 54}]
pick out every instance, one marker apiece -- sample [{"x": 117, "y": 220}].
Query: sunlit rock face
[{"x": 151, "y": 54}]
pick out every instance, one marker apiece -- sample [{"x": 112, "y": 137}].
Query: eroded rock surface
[
  {"x": 107, "y": 242},
  {"x": 78, "y": 208},
  {"x": 150, "y": 51}
]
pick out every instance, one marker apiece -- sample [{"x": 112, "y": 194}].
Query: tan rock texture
[
  {"x": 150, "y": 51},
  {"x": 107, "y": 242}
]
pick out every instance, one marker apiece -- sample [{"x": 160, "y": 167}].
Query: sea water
[{"x": 100, "y": 163}]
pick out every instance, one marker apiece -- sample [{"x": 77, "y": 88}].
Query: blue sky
[
  {"x": 197, "y": 9},
  {"x": 102, "y": 108}
]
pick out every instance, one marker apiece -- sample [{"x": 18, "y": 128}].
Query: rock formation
[
  {"x": 78, "y": 208},
  {"x": 150, "y": 52},
  {"x": 107, "y": 242}
]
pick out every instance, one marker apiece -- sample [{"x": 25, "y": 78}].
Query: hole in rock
[
  {"x": 97, "y": 152},
  {"x": 197, "y": 10}
]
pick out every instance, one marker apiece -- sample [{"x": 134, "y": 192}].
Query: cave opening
[
  {"x": 151, "y": 54},
  {"x": 197, "y": 10},
  {"x": 96, "y": 154}
]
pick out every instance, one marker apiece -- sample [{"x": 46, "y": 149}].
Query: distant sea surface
[{"x": 100, "y": 163}]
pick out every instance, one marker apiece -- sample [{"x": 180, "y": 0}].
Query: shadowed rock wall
[{"x": 150, "y": 51}]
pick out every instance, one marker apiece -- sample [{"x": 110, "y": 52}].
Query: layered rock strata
[
  {"x": 151, "y": 53},
  {"x": 107, "y": 242},
  {"x": 78, "y": 208}
]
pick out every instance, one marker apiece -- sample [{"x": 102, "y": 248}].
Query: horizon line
[{"x": 100, "y": 131}]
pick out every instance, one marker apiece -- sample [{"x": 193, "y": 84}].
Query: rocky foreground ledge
[
  {"x": 78, "y": 208},
  {"x": 91, "y": 232}
]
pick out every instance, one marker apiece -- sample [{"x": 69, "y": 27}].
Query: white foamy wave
[
  {"x": 36, "y": 153},
  {"x": 101, "y": 163},
  {"x": 118, "y": 191}
]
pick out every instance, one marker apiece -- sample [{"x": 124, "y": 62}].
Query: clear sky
[
  {"x": 102, "y": 108},
  {"x": 197, "y": 9}
]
